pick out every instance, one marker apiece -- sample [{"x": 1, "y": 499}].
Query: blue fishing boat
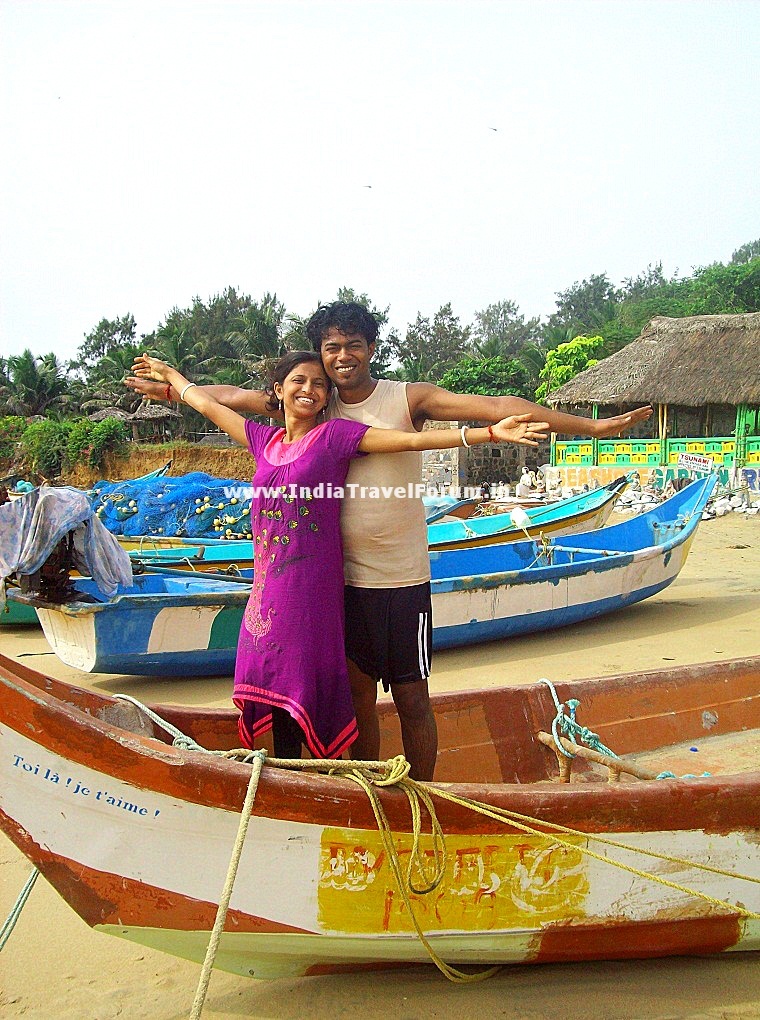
[
  {"x": 585, "y": 512},
  {"x": 167, "y": 624},
  {"x": 501, "y": 591},
  {"x": 177, "y": 624}
]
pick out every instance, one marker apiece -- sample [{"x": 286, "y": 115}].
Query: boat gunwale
[{"x": 149, "y": 763}]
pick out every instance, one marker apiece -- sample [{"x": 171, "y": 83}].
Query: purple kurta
[{"x": 291, "y": 649}]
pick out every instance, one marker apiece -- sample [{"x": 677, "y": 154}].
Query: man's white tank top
[{"x": 384, "y": 536}]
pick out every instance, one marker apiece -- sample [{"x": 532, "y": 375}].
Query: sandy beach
[{"x": 55, "y": 966}]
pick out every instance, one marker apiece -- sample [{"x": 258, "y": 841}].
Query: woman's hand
[
  {"x": 518, "y": 428},
  {"x": 146, "y": 387}
]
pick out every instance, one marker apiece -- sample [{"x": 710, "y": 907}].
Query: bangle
[
  {"x": 464, "y": 438},
  {"x": 491, "y": 436},
  {"x": 185, "y": 389},
  {"x": 168, "y": 392}
]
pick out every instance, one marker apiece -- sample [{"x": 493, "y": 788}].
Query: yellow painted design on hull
[{"x": 491, "y": 882}]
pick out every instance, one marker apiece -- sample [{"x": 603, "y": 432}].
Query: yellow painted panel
[{"x": 490, "y": 882}]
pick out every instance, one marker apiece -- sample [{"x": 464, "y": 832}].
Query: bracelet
[
  {"x": 185, "y": 389},
  {"x": 168, "y": 392},
  {"x": 491, "y": 435},
  {"x": 464, "y": 439}
]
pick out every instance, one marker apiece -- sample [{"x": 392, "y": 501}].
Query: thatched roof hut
[
  {"x": 155, "y": 412},
  {"x": 110, "y": 412},
  {"x": 691, "y": 362}
]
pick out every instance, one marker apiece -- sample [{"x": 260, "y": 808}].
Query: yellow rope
[{"x": 386, "y": 834}]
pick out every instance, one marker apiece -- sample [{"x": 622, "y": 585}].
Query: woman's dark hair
[
  {"x": 347, "y": 317},
  {"x": 282, "y": 369}
]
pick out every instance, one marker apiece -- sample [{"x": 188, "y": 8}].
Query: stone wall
[{"x": 489, "y": 462}]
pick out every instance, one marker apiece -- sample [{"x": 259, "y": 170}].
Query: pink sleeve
[
  {"x": 344, "y": 437},
  {"x": 258, "y": 436}
]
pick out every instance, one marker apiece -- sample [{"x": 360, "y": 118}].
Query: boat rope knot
[{"x": 572, "y": 729}]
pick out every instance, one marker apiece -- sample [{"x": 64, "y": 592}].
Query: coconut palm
[
  {"x": 257, "y": 337},
  {"x": 177, "y": 348},
  {"x": 105, "y": 383},
  {"x": 35, "y": 385}
]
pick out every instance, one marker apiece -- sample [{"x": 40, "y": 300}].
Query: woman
[{"x": 290, "y": 671}]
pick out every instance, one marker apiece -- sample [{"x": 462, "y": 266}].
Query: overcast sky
[{"x": 421, "y": 152}]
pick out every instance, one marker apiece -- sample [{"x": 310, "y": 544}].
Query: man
[{"x": 387, "y": 568}]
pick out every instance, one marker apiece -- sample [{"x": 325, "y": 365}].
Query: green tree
[
  {"x": 584, "y": 306},
  {"x": 500, "y": 331},
  {"x": 105, "y": 382},
  {"x": 429, "y": 348},
  {"x": 746, "y": 253},
  {"x": 256, "y": 338},
  {"x": 177, "y": 348},
  {"x": 44, "y": 445},
  {"x": 488, "y": 376},
  {"x": 566, "y": 361},
  {"x": 108, "y": 335},
  {"x": 532, "y": 358},
  {"x": 35, "y": 385}
]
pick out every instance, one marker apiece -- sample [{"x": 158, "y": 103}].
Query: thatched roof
[
  {"x": 705, "y": 359},
  {"x": 154, "y": 412},
  {"x": 110, "y": 412}
]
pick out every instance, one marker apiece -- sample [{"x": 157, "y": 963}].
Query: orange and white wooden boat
[{"x": 136, "y": 834}]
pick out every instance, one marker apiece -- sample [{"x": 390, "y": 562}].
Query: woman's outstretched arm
[
  {"x": 194, "y": 396},
  {"x": 517, "y": 428}
]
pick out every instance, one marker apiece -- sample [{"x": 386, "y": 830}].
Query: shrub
[
  {"x": 11, "y": 429},
  {"x": 109, "y": 434},
  {"x": 44, "y": 443}
]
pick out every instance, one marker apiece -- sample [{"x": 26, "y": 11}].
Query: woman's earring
[{"x": 280, "y": 404}]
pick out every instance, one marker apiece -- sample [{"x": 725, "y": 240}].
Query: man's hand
[
  {"x": 606, "y": 427},
  {"x": 518, "y": 428}
]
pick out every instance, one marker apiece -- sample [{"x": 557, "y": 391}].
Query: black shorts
[{"x": 389, "y": 632}]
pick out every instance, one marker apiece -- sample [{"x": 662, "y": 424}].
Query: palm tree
[
  {"x": 532, "y": 358},
  {"x": 178, "y": 349},
  {"x": 35, "y": 385},
  {"x": 257, "y": 339},
  {"x": 105, "y": 383}
]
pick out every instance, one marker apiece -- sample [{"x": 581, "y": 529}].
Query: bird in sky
[{"x": 493, "y": 129}]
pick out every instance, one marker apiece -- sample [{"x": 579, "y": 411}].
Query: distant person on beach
[
  {"x": 387, "y": 568},
  {"x": 290, "y": 670}
]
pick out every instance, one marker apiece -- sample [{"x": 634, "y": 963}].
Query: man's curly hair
[{"x": 347, "y": 317}]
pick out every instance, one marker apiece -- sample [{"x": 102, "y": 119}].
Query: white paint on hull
[
  {"x": 72, "y": 637},
  {"x": 182, "y": 628},
  {"x": 482, "y": 605}
]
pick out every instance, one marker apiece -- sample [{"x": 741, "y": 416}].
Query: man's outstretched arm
[
  {"x": 234, "y": 397},
  {"x": 433, "y": 403}
]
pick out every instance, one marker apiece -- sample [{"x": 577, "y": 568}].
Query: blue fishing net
[{"x": 196, "y": 505}]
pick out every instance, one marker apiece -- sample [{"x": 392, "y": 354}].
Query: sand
[{"x": 54, "y": 966}]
